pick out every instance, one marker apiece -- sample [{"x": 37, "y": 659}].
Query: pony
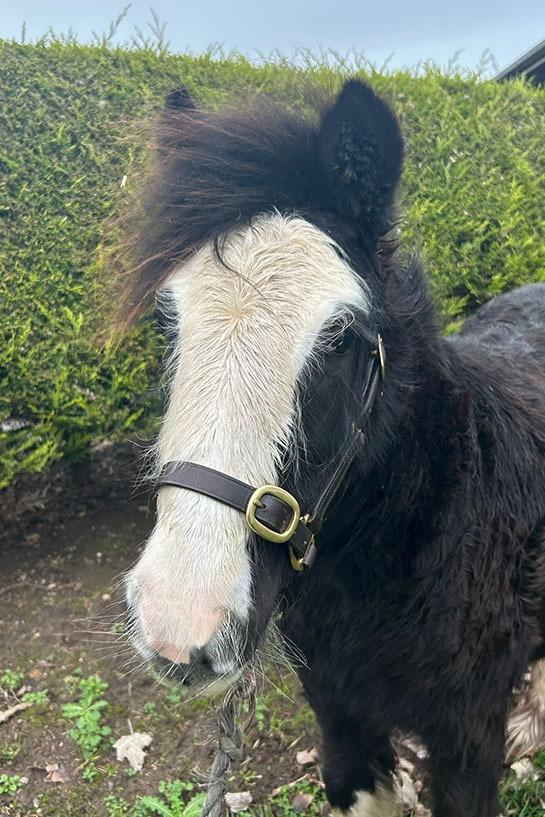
[{"x": 316, "y": 414}]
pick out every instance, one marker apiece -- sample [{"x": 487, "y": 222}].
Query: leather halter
[{"x": 272, "y": 512}]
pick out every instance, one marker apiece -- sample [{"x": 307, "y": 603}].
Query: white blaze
[
  {"x": 383, "y": 803},
  {"x": 246, "y": 330}
]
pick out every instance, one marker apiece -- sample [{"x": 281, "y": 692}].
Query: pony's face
[
  {"x": 253, "y": 332},
  {"x": 248, "y": 329}
]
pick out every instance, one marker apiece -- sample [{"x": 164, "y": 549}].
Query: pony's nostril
[
  {"x": 201, "y": 659},
  {"x": 197, "y": 669},
  {"x": 170, "y": 652}
]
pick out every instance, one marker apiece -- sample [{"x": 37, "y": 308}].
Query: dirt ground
[{"x": 60, "y": 622}]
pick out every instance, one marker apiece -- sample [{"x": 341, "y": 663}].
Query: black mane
[{"x": 217, "y": 170}]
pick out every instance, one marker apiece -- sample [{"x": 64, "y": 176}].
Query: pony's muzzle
[
  {"x": 201, "y": 657},
  {"x": 167, "y": 625},
  {"x": 199, "y": 673}
]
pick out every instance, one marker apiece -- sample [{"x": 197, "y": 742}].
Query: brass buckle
[
  {"x": 381, "y": 357},
  {"x": 298, "y": 563},
  {"x": 261, "y": 529}
]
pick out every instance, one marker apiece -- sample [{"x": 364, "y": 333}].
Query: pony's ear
[
  {"x": 178, "y": 104},
  {"x": 361, "y": 153},
  {"x": 179, "y": 99}
]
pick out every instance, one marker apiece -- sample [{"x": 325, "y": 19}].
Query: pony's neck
[{"x": 414, "y": 458}]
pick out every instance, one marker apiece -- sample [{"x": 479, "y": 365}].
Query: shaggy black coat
[
  {"x": 424, "y": 610},
  {"x": 424, "y": 606}
]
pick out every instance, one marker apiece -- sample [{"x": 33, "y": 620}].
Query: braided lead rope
[{"x": 229, "y": 751}]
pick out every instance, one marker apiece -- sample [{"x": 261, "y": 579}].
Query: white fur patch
[
  {"x": 526, "y": 723},
  {"x": 383, "y": 803},
  {"x": 247, "y": 328}
]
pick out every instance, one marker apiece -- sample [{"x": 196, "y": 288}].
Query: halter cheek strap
[{"x": 272, "y": 512}]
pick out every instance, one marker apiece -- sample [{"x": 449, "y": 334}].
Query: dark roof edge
[{"x": 525, "y": 63}]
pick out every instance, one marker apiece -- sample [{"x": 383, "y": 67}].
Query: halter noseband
[{"x": 272, "y": 512}]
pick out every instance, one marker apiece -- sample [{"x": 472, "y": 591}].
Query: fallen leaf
[
  {"x": 238, "y": 800},
  {"x": 56, "y": 773},
  {"x": 35, "y": 673},
  {"x": 60, "y": 776},
  {"x": 131, "y": 748},
  {"x": 524, "y": 768},
  {"x": 307, "y": 756},
  {"x": 301, "y": 802}
]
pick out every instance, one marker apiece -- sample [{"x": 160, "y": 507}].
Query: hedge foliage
[{"x": 70, "y": 131}]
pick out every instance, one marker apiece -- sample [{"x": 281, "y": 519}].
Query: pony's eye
[{"x": 342, "y": 342}]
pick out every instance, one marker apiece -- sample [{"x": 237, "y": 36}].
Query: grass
[
  {"x": 524, "y": 796},
  {"x": 9, "y": 750}
]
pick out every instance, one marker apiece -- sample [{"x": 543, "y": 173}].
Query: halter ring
[{"x": 261, "y": 529}]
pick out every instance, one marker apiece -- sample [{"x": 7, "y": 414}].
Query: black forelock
[{"x": 216, "y": 170}]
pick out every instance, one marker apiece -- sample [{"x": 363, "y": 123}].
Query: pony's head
[{"x": 263, "y": 245}]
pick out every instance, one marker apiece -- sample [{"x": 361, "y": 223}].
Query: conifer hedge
[{"x": 71, "y": 143}]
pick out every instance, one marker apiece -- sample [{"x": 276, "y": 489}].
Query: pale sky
[{"x": 411, "y": 31}]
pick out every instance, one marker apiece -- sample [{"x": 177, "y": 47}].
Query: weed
[
  {"x": 118, "y": 627},
  {"x": 173, "y": 795},
  {"x": 10, "y": 784},
  {"x": 88, "y": 731},
  {"x": 117, "y": 806},
  {"x": 169, "y": 804},
  {"x": 282, "y": 803},
  {"x": 249, "y": 776},
  {"x": 9, "y": 750},
  {"x": 12, "y": 679},
  {"x": 174, "y": 697},
  {"x": 89, "y": 771},
  {"x": 39, "y": 697},
  {"x": 301, "y": 718},
  {"x": 260, "y": 712}
]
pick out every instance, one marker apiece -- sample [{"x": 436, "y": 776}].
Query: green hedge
[{"x": 70, "y": 130}]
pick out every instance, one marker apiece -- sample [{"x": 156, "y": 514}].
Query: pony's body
[
  {"x": 424, "y": 615},
  {"x": 269, "y": 239}
]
